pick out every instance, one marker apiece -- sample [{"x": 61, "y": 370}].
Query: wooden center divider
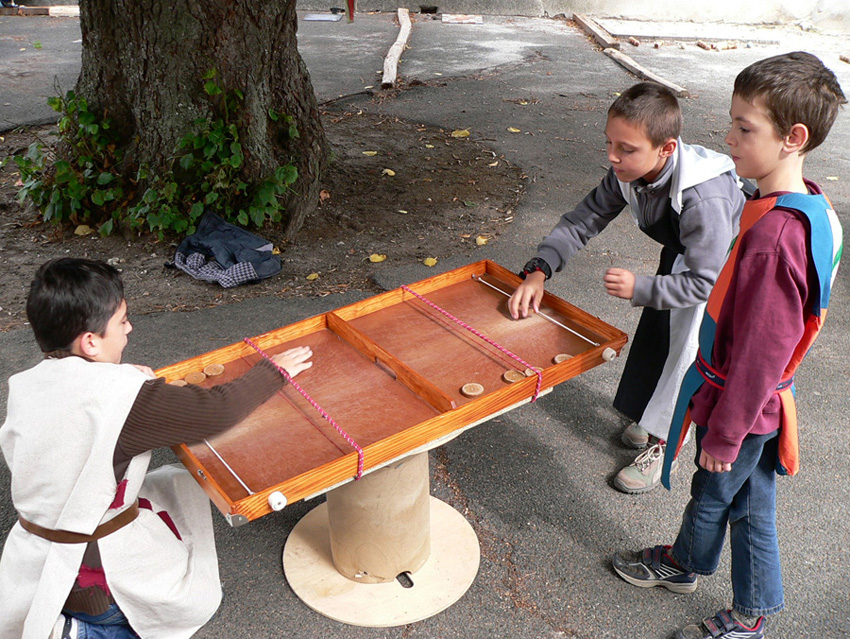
[{"x": 388, "y": 370}]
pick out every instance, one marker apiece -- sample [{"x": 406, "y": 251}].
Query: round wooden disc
[
  {"x": 530, "y": 372},
  {"x": 513, "y": 375},
  {"x": 179, "y": 382},
  {"x": 195, "y": 377},
  {"x": 471, "y": 390},
  {"x": 213, "y": 370},
  {"x": 561, "y": 357},
  {"x": 444, "y": 578}
]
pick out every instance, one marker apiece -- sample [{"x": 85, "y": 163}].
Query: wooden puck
[
  {"x": 179, "y": 382},
  {"x": 213, "y": 370},
  {"x": 195, "y": 377},
  {"x": 472, "y": 389},
  {"x": 530, "y": 372},
  {"x": 561, "y": 357},
  {"x": 513, "y": 375}
]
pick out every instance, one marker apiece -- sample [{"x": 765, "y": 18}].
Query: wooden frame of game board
[{"x": 353, "y": 328}]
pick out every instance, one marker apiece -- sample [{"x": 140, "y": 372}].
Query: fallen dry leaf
[
  {"x": 496, "y": 163},
  {"x": 429, "y": 146},
  {"x": 83, "y": 229},
  {"x": 514, "y": 130},
  {"x": 481, "y": 240},
  {"x": 275, "y": 251},
  {"x": 389, "y": 172},
  {"x": 370, "y": 153},
  {"x": 429, "y": 261},
  {"x": 324, "y": 194},
  {"x": 377, "y": 257},
  {"x": 832, "y": 178},
  {"x": 402, "y": 211},
  {"x": 313, "y": 276},
  {"x": 460, "y": 133}
]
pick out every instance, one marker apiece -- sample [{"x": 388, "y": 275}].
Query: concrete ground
[{"x": 535, "y": 483}]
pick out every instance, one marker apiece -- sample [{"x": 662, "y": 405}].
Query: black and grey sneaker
[
  {"x": 654, "y": 567},
  {"x": 722, "y": 626}
]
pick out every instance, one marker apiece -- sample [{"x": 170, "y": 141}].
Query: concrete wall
[{"x": 824, "y": 15}]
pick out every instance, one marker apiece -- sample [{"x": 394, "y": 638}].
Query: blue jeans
[
  {"x": 111, "y": 624},
  {"x": 745, "y": 498}
]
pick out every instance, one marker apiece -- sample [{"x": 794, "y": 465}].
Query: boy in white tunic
[
  {"x": 687, "y": 199},
  {"x": 101, "y": 545}
]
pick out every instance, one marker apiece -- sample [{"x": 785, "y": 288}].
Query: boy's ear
[
  {"x": 87, "y": 345},
  {"x": 668, "y": 148},
  {"x": 796, "y": 138}
]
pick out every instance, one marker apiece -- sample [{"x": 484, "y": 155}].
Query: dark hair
[
  {"x": 652, "y": 106},
  {"x": 796, "y": 88},
  {"x": 69, "y": 297}
]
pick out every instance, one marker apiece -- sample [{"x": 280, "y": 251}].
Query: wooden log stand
[{"x": 381, "y": 551}]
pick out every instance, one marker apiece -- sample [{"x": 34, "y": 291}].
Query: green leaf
[
  {"x": 210, "y": 74},
  {"x": 242, "y": 218},
  {"x": 212, "y": 88},
  {"x": 196, "y": 211},
  {"x": 211, "y": 197},
  {"x": 258, "y": 215},
  {"x": 239, "y": 94},
  {"x": 265, "y": 193},
  {"x": 186, "y": 162},
  {"x": 106, "y": 228},
  {"x": 286, "y": 174},
  {"x": 273, "y": 114},
  {"x": 105, "y": 178},
  {"x": 97, "y": 198},
  {"x": 55, "y": 103}
]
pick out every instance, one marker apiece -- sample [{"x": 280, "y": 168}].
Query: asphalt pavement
[{"x": 535, "y": 483}]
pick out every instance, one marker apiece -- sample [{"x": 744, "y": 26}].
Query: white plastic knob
[
  {"x": 277, "y": 500},
  {"x": 608, "y": 354}
]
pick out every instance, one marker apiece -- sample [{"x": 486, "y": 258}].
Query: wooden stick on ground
[
  {"x": 391, "y": 61},
  {"x": 644, "y": 73}
]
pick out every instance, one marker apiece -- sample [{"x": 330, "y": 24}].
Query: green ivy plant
[
  {"x": 76, "y": 190},
  {"x": 206, "y": 173}
]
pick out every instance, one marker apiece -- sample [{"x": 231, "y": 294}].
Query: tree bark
[{"x": 143, "y": 66}]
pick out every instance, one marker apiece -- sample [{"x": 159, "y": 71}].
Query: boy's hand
[
  {"x": 529, "y": 293},
  {"x": 620, "y": 283},
  {"x": 294, "y": 360},
  {"x": 712, "y": 464},
  {"x": 147, "y": 370}
]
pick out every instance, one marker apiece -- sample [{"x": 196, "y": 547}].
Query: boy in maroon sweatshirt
[{"x": 762, "y": 316}]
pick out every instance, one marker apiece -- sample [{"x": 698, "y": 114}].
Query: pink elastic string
[
  {"x": 483, "y": 337},
  {"x": 318, "y": 408}
]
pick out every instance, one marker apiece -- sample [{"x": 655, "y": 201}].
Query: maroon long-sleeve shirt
[{"x": 760, "y": 323}]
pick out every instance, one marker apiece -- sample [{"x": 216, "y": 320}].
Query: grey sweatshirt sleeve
[
  {"x": 708, "y": 222},
  {"x": 574, "y": 229}
]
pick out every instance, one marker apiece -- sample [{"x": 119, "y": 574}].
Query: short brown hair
[
  {"x": 796, "y": 88},
  {"x": 652, "y": 106}
]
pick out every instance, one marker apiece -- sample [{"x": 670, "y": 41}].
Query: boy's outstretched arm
[{"x": 528, "y": 294}]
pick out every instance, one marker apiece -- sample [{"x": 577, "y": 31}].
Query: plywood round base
[{"x": 446, "y": 576}]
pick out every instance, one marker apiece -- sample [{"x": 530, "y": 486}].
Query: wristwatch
[{"x": 536, "y": 264}]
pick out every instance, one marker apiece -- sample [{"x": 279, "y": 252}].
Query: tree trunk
[{"x": 143, "y": 67}]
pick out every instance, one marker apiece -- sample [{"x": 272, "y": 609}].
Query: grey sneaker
[
  {"x": 634, "y": 436},
  {"x": 723, "y": 625},
  {"x": 653, "y": 567},
  {"x": 644, "y": 473}
]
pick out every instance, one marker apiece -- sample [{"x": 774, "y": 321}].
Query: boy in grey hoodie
[{"x": 688, "y": 199}]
